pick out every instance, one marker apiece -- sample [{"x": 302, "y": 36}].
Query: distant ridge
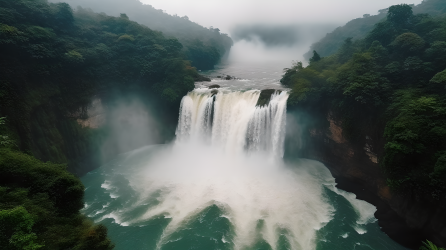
[
  {"x": 204, "y": 47},
  {"x": 360, "y": 27}
]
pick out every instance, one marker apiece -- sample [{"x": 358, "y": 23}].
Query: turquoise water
[{"x": 132, "y": 196}]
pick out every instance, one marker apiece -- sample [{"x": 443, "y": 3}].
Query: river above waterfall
[
  {"x": 223, "y": 184},
  {"x": 252, "y": 75}
]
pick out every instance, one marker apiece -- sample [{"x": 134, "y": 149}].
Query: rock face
[
  {"x": 406, "y": 218},
  {"x": 265, "y": 96},
  {"x": 95, "y": 115},
  {"x": 214, "y": 86},
  {"x": 227, "y": 77}
]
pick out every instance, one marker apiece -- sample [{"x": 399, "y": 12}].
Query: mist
[
  {"x": 131, "y": 125},
  {"x": 286, "y": 35},
  {"x": 230, "y": 168},
  {"x": 278, "y": 31},
  {"x": 229, "y": 13},
  {"x": 273, "y": 31},
  {"x": 274, "y": 43}
]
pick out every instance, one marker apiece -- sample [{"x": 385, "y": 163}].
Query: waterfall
[
  {"x": 223, "y": 185},
  {"x": 231, "y": 120}
]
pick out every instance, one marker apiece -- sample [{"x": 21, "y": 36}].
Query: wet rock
[
  {"x": 214, "y": 86},
  {"x": 226, "y": 77},
  {"x": 265, "y": 96},
  {"x": 201, "y": 78}
]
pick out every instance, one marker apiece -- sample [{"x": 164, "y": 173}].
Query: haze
[
  {"x": 276, "y": 31},
  {"x": 225, "y": 14},
  {"x": 263, "y": 31}
]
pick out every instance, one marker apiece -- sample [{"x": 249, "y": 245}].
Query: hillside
[
  {"x": 383, "y": 98},
  {"x": 360, "y": 27},
  {"x": 204, "y": 47},
  {"x": 54, "y": 61}
]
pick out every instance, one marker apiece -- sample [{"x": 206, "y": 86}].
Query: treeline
[
  {"x": 389, "y": 85},
  {"x": 358, "y": 28},
  {"x": 204, "y": 47},
  {"x": 54, "y": 60}
]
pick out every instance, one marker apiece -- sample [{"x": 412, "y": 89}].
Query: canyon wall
[{"x": 406, "y": 218}]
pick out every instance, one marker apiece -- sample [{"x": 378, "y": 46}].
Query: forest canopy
[
  {"x": 358, "y": 28},
  {"x": 54, "y": 60},
  {"x": 204, "y": 47},
  {"x": 39, "y": 207},
  {"x": 391, "y": 83}
]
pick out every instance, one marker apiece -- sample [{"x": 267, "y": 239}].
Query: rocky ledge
[
  {"x": 201, "y": 78},
  {"x": 265, "y": 96},
  {"x": 408, "y": 219}
]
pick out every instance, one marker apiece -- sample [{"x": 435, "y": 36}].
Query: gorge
[{"x": 167, "y": 135}]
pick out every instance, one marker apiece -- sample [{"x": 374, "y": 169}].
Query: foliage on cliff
[
  {"x": 40, "y": 203},
  {"x": 358, "y": 28},
  {"x": 53, "y": 60},
  {"x": 204, "y": 47},
  {"x": 39, "y": 207},
  {"x": 392, "y": 81}
]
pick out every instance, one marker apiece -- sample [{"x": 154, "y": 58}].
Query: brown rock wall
[{"x": 405, "y": 218}]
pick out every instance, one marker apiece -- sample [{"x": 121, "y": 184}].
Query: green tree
[
  {"x": 399, "y": 15},
  {"x": 316, "y": 57},
  {"x": 63, "y": 15},
  {"x": 438, "y": 82},
  {"x": 408, "y": 43},
  {"x": 361, "y": 80},
  {"x": 346, "y": 51},
  {"x": 16, "y": 229}
]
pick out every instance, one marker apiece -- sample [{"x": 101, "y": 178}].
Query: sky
[{"x": 226, "y": 14}]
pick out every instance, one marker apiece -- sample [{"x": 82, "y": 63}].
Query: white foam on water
[
  {"x": 86, "y": 206},
  {"x": 209, "y": 165},
  {"x": 106, "y": 185},
  {"x": 363, "y": 209},
  {"x": 224, "y": 240},
  {"x": 359, "y": 229},
  {"x": 344, "y": 235},
  {"x": 246, "y": 187},
  {"x": 116, "y": 217}
]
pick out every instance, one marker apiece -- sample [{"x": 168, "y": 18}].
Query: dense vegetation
[
  {"x": 204, "y": 47},
  {"x": 39, "y": 207},
  {"x": 54, "y": 60},
  {"x": 390, "y": 85},
  {"x": 40, "y": 203},
  {"x": 360, "y": 27}
]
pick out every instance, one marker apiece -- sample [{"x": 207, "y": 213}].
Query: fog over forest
[{"x": 274, "y": 31}]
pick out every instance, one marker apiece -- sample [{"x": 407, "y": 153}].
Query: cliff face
[{"x": 406, "y": 218}]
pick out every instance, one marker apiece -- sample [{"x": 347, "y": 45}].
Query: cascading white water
[
  {"x": 231, "y": 120},
  {"x": 227, "y": 154}
]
